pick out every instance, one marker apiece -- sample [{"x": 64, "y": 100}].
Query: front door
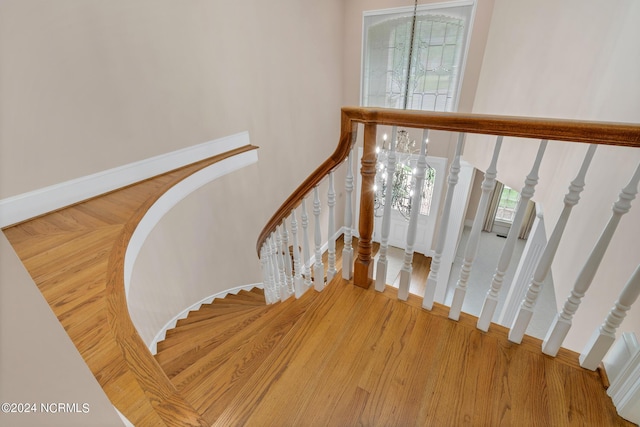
[{"x": 402, "y": 193}]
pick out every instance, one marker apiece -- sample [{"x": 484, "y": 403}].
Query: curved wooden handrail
[
  {"x": 165, "y": 398},
  {"x": 347, "y": 139},
  {"x": 607, "y": 133}
]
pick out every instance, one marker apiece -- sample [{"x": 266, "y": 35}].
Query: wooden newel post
[{"x": 363, "y": 265}]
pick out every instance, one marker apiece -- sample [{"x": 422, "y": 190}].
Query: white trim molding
[
  {"x": 31, "y": 204},
  {"x": 622, "y": 365}
]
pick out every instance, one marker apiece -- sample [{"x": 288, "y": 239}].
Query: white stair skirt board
[
  {"x": 172, "y": 197},
  {"x": 622, "y": 365},
  {"x": 184, "y": 313},
  {"x": 31, "y": 204},
  {"x": 620, "y": 354}
]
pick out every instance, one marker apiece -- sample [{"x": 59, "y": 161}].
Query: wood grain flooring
[
  {"x": 358, "y": 357},
  {"x": 345, "y": 356},
  {"x": 75, "y": 256}
]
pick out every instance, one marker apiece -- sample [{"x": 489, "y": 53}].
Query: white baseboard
[
  {"x": 153, "y": 346},
  {"x": 31, "y": 204}
]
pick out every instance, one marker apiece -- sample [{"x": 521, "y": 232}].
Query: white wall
[{"x": 576, "y": 60}]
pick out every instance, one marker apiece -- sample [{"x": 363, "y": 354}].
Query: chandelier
[{"x": 402, "y": 184}]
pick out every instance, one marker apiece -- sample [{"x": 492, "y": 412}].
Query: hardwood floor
[
  {"x": 75, "y": 256},
  {"x": 345, "y": 356},
  {"x": 350, "y": 356}
]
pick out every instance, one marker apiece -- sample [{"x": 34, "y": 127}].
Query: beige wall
[
  {"x": 89, "y": 85},
  {"x": 576, "y": 60},
  {"x": 39, "y": 363},
  {"x": 251, "y": 196},
  {"x": 279, "y": 65}
]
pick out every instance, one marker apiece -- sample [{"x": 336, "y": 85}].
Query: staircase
[
  {"x": 238, "y": 331},
  {"x": 351, "y": 356},
  {"x": 339, "y": 354}
]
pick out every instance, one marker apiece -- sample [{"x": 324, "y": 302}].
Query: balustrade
[
  {"x": 605, "y": 335},
  {"x": 432, "y": 278},
  {"x": 562, "y": 322},
  {"x": 287, "y": 271},
  {"x": 405, "y": 271},
  {"x": 491, "y": 300},
  {"x": 331, "y": 202},
  {"x": 298, "y": 281},
  {"x": 381, "y": 267},
  {"x": 544, "y": 265},
  {"x": 347, "y": 249},
  {"x": 488, "y": 184},
  {"x": 306, "y": 269}
]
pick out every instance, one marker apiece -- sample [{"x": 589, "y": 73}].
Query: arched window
[{"x": 415, "y": 63}]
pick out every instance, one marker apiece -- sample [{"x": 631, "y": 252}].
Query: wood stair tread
[
  {"x": 214, "y": 327},
  {"x": 248, "y": 295},
  {"x": 207, "y": 350},
  {"x": 209, "y": 383},
  {"x": 233, "y": 301},
  {"x": 206, "y": 312},
  {"x": 223, "y": 320},
  {"x": 240, "y": 298}
]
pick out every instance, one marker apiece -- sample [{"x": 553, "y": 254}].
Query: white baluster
[
  {"x": 407, "y": 267},
  {"x": 432, "y": 279},
  {"x": 605, "y": 335},
  {"x": 331, "y": 249},
  {"x": 488, "y": 184},
  {"x": 519, "y": 326},
  {"x": 491, "y": 300},
  {"x": 318, "y": 267},
  {"x": 266, "y": 279},
  {"x": 347, "y": 249},
  {"x": 282, "y": 282},
  {"x": 288, "y": 269},
  {"x": 381, "y": 268},
  {"x": 306, "y": 268},
  {"x": 297, "y": 269},
  {"x": 274, "y": 267},
  {"x": 562, "y": 322}
]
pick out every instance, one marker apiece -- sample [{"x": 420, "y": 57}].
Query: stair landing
[
  {"x": 351, "y": 356},
  {"x": 345, "y": 356}
]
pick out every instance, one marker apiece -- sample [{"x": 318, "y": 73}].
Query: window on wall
[
  {"x": 507, "y": 205},
  {"x": 415, "y": 63}
]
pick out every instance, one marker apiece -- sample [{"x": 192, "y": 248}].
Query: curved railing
[
  {"x": 347, "y": 139},
  {"x": 285, "y": 275},
  {"x": 525, "y": 127}
]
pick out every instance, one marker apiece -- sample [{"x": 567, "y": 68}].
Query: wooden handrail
[
  {"x": 605, "y": 133},
  {"x": 347, "y": 139}
]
